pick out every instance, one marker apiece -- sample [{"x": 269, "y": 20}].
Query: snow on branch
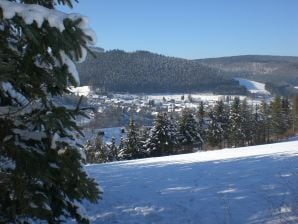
[
  {"x": 18, "y": 97},
  {"x": 71, "y": 67},
  {"x": 36, "y": 13}
]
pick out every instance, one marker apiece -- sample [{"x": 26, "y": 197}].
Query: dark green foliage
[
  {"x": 217, "y": 132},
  {"x": 97, "y": 151},
  {"x": 281, "y": 88},
  {"x": 188, "y": 128},
  {"x": 236, "y": 125},
  {"x": 247, "y": 123},
  {"x": 201, "y": 121},
  {"x": 278, "y": 125},
  {"x": 161, "y": 142},
  {"x": 41, "y": 173},
  {"x": 112, "y": 150},
  {"x": 132, "y": 148},
  {"x": 145, "y": 72},
  {"x": 278, "y": 72}
]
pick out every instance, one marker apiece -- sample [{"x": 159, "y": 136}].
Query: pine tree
[
  {"x": 112, "y": 153},
  {"x": 133, "y": 145},
  {"x": 258, "y": 131},
  {"x": 42, "y": 178},
  {"x": 278, "y": 122},
  {"x": 218, "y": 127},
  {"x": 160, "y": 140},
  {"x": 286, "y": 113},
  {"x": 188, "y": 129},
  {"x": 236, "y": 132},
  {"x": 201, "y": 122},
  {"x": 174, "y": 134},
  {"x": 247, "y": 122},
  {"x": 96, "y": 151},
  {"x": 89, "y": 151},
  {"x": 214, "y": 131},
  {"x": 122, "y": 149},
  {"x": 265, "y": 114}
]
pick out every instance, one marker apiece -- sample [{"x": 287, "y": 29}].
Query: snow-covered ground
[
  {"x": 244, "y": 185},
  {"x": 296, "y": 87},
  {"x": 252, "y": 86}
]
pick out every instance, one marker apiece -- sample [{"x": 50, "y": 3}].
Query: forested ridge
[
  {"x": 145, "y": 72},
  {"x": 279, "y": 73}
]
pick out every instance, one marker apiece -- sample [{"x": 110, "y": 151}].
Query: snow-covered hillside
[
  {"x": 252, "y": 86},
  {"x": 244, "y": 185}
]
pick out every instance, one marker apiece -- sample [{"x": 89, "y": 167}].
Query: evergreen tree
[
  {"x": 133, "y": 145},
  {"x": 174, "y": 134},
  {"x": 218, "y": 127},
  {"x": 278, "y": 122},
  {"x": 214, "y": 131},
  {"x": 89, "y": 151},
  {"x": 247, "y": 123},
  {"x": 258, "y": 131},
  {"x": 96, "y": 151},
  {"x": 189, "y": 132},
  {"x": 160, "y": 140},
  {"x": 112, "y": 150},
  {"x": 286, "y": 113},
  {"x": 236, "y": 132},
  {"x": 201, "y": 123},
  {"x": 42, "y": 178},
  {"x": 131, "y": 149},
  {"x": 122, "y": 149}
]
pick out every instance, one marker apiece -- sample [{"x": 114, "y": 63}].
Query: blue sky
[{"x": 195, "y": 28}]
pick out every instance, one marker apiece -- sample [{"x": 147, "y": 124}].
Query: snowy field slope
[
  {"x": 252, "y": 86},
  {"x": 244, "y": 185}
]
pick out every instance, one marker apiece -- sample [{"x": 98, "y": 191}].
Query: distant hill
[
  {"x": 277, "y": 71},
  {"x": 145, "y": 72}
]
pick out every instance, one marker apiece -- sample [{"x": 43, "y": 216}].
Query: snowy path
[{"x": 246, "y": 185}]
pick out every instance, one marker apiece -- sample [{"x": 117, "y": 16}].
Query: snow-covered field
[
  {"x": 252, "y": 86},
  {"x": 244, "y": 185}
]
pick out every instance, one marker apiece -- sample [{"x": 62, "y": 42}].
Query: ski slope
[
  {"x": 256, "y": 184},
  {"x": 253, "y": 87}
]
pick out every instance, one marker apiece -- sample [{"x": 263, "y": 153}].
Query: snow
[
  {"x": 6, "y": 164},
  {"x": 10, "y": 90},
  {"x": 109, "y": 134},
  {"x": 35, "y": 13},
  {"x": 81, "y": 90},
  {"x": 115, "y": 132},
  {"x": 255, "y": 184},
  {"x": 71, "y": 67},
  {"x": 253, "y": 87},
  {"x": 31, "y": 13},
  {"x": 296, "y": 87},
  {"x": 29, "y": 135}
]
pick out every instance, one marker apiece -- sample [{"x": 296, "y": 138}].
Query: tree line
[
  {"x": 223, "y": 125},
  {"x": 145, "y": 72}
]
